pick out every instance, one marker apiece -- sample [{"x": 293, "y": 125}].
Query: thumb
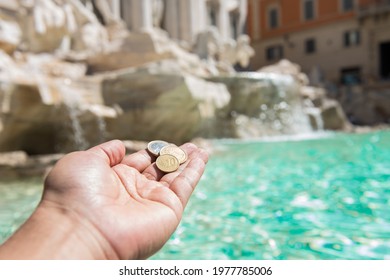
[{"x": 113, "y": 151}]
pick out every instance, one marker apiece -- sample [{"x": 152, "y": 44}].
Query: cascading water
[
  {"x": 315, "y": 115},
  {"x": 100, "y": 122},
  {"x": 266, "y": 104},
  {"x": 70, "y": 99},
  {"x": 102, "y": 127},
  {"x": 72, "y": 102}
]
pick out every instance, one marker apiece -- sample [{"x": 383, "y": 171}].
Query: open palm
[{"x": 125, "y": 199}]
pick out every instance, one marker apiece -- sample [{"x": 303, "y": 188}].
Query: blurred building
[
  {"x": 182, "y": 19},
  {"x": 342, "y": 41}
]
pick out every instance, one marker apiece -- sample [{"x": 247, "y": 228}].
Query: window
[
  {"x": 274, "y": 52},
  {"x": 310, "y": 46},
  {"x": 384, "y": 54},
  {"x": 308, "y": 9},
  {"x": 351, "y": 76},
  {"x": 347, "y": 5},
  {"x": 273, "y": 18},
  {"x": 351, "y": 38}
]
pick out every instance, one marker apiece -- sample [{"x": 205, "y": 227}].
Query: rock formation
[
  {"x": 160, "y": 105},
  {"x": 365, "y": 105},
  {"x": 69, "y": 80},
  {"x": 324, "y": 113}
]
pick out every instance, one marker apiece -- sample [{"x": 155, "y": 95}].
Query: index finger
[
  {"x": 139, "y": 160},
  {"x": 184, "y": 182},
  {"x": 193, "y": 152}
]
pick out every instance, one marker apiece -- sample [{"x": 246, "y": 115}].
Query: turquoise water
[
  {"x": 17, "y": 201},
  {"x": 324, "y": 198}
]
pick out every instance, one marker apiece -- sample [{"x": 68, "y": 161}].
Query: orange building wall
[
  {"x": 291, "y": 19},
  {"x": 328, "y": 30},
  {"x": 250, "y": 18}
]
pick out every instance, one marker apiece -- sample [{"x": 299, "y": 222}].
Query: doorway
[{"x": 384, "y": 60}]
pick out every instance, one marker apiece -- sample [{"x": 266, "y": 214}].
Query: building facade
[
  {"x": 342, "y": 41},
  {"x": 182, "y": 19}
]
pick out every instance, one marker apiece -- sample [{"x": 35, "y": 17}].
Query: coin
[
  {"x": 167, "y": 163},
  {"x": 155, "y": 146},
  {"x": 174, "y": 150}
]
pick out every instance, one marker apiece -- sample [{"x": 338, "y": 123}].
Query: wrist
[
  {"x": 84, "y": 240},
  {"x": 54, "y": 232}
]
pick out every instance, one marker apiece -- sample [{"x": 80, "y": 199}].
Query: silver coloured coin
[{"x": 155, "y": 146}]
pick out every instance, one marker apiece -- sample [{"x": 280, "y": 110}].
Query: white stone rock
[
  {"x": 285, "y": 66},
  {"x": 10, "y": 36}
]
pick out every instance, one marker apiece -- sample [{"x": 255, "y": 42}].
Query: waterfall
[
  {"x": 101, "y": 125},
  {"x": 266, "y": 104},
  {"x": 70, "y": 98},
  {"x": 315, "y": 115},
  {"x": 319, "y": 120},
  {"x": 72, "y": 103},
  {"x": 292, "y": 117}
]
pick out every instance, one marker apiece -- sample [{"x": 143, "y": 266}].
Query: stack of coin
[{"x": 169, "y": 156}]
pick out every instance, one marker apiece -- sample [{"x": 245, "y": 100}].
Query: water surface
[
  {"x": 18, "y": 200},
  {"x": 326, "y": 198},
  {"x": 321, "y": 198}
]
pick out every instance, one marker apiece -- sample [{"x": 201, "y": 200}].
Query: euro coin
[
  {"x": 167, "y": 163},
  {"x": 155, "y": 146},
  {"x": 174, "y": 151}
]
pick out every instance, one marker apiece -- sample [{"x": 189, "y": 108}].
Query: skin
[{"x": 102, "y": 204}]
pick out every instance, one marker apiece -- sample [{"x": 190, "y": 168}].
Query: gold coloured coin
[
  {"x": 175, "y": 151},
  {"x": 155, "y": 146},
  {"x": 167, "y": 163}
]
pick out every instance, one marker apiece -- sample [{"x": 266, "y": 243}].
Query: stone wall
[{"x": 365, "y": 105}]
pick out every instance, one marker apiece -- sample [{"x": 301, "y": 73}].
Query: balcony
[{"x": 376, "y": 8}]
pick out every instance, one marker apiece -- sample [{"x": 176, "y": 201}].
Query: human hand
[
  {"x": 127, "y": 200},
  {"x": 124, "y": 203}
]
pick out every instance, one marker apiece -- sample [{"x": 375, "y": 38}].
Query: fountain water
[
  {"x": 314, "y": 115},
  {"x": 265, "y": 104},
  {"x": 68, "y": 97},
  {"x": 242, "y": 105},
  {"x": 72, "y": 102}
]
